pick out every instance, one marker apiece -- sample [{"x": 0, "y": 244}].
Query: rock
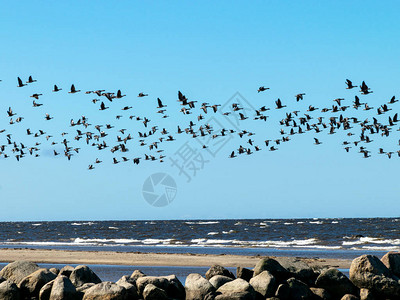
[
  {"x": 151, "y": 292},
  {"x": 126, "y": 279},
  {"x": 18, "y": 270},
  {"x": 299, "y": 290},
  {"x": 368, "y": 272},
  {"x": 392, "y": 261},
  {"x": 321, "y": 293},
  {"x": 366, "y": 294},
  {"x": 283, "y": 291},
  {"x": 239, "y": 288},
  {"x": 66, "y": 270},
  {"x": 63, "y": 289},
  {"x": 238, "y": 296},
  {"x": 264, "y": 284},
  {"x": 44, "y": 293},
  {"x": 299, "y": 269},
  {"x": 130, "y": 285},
  {"x": 272, "y": 266},
  {"x": 54, "y": 270},
  {"x": 244, "y": 273},
  {"x": 175, "y": 288},
  {"x": 336, "y": 283},
  {"x": 219, "y": 280},
  {"x": 2, "y": 279},
  {"x": 218, "y": 270},
  {"x": 197, "y": 287},
  {"x": 83, "y": 274},
  {"x": 136, "y": 274},
  {"x": 30, "y": 286},
  {"x": 9, "y": 291},
  {"x": 160, "y": 282},
  {"x": 349, "y": 297},
  {"x": 85, "y": 286},
  {"x": 106, "y": 291}
]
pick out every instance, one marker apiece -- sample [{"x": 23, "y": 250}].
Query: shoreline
[{"x": 56, "y": 256}]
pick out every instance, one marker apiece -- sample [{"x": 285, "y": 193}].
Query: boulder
[
  {"x": 299, "y": 290},
  {"x": 237, "y": 288},
  {"x": 365, "y": 294},
  {"x": 219, "y": 280},
  {"x": 218, "y": 270},
  {"x": 197, "y": 287},
  {"x": 244, "y": 273},
  {"x": 45, "y": 291},
  {"x": 85, "y": 286},
  {"x": 368, "y": 272},
  {"x": 126, "y": 279},
  {"x": 320, "y": 293},
  {"x": 298, "y": 268},
  {"x": 283, "y": 291},
  {"x": 9, "y": 291},
  {"x": 130, "y": 286},
  {"x": 2, "y": 279},
  {"x": 151, "y": 292},
  {"x": 83, "y": 274},
  {"x": 18, "y": 270},
  {"x": 392, "y": 261},
  {"x": 66, "y": 270},
  {"x": 170, "y": 284},
  {"x": 30, "y": 286},
  {"x": 272, "y": 266},
  {"x": 106, "y": 291},
  {"x": 336, "y": 283},
  {"x": 349, "y": 297},
  {"x": 237, "y": 296},
  {"x": 175, "y": 288},
  {"x": 136, "y": 274},
  {"x": 63, "y": 289},
  {"x": 160, "y": 282},
  {"x": 54, "y": 270},
  {"x": 264, "y": 284}
]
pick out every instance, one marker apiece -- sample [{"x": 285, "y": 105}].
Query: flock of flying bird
[{"x": 153, "y": 138}]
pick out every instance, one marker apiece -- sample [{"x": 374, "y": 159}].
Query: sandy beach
[{"x": 146, "y": 259}]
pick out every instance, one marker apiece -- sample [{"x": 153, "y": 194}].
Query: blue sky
[{"x": 209, "y": 51}]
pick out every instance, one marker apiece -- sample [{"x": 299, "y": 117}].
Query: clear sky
[{"x": 209, "y": 50}]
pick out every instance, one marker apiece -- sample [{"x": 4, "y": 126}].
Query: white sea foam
[
  {"x": 105, "y": 241},
  {"x": 202, "y": 222},
  {"x": 316, "y": 222},
  {"x": 80, "y": 224},
  {"x": 36, "y": 224},
  {"x": 371, "y": 240},
  {"x": 287, "y": 223},
  {"x": 213, "y": 233},
  {"x": 111, "y": 227},
  {"x": 334, "y": 222}
]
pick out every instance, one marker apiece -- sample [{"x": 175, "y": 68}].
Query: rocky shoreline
[{"x": 278, "y": 278}]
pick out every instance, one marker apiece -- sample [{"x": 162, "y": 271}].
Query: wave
[
  {"x": 371, "y": 240},
  {"x": 84, "y": 223},
  {"x": 202, "y": 223},
  {"x": 316, "y": 222}
]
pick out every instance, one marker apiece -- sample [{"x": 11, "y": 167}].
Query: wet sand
[{"x": 146, "y": 259}]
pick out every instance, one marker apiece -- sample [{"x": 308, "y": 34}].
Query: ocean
[{"x": 324, "y": 238}]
